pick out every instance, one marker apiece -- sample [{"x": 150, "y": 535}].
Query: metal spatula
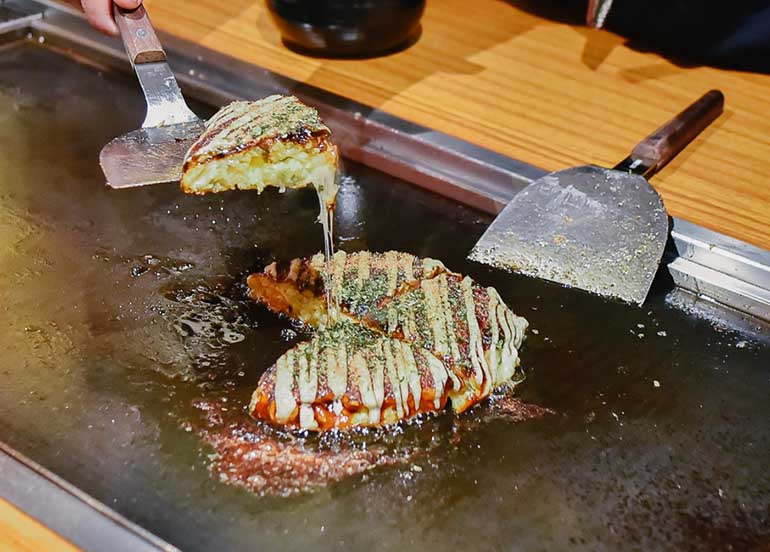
[
  {"x": 601, "y": 230},
  {"x": 154, "y": 153}
]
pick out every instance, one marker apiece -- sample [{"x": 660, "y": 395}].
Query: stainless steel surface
[
  {"x": 722, "y": 253},
  {"x": 720, "y": 267},
  {"x": 597, "y": 12},
  {"x": 599, "y": 230},
  {"x": 74, "y": 515},
  {"x": 155, "y": 153},
  {"x": 16, "y": 15},
  {"x": 717, "y": 285},
  {"x": 165, "y": 104},
  {"x": 122, "y": 308},
  {"x": 146, "y": 156},
  {"x": 602, "y": 231}
]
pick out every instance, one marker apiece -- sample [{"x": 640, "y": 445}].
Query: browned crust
[
  {"x": 264, "y": 408},
  {"x": 283, "y": 287},
  {"x": 291, "y": 288},
  {"x": 310, "y": 139}
]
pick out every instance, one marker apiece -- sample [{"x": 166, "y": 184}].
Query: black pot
[{"x": 352, "y": 28}]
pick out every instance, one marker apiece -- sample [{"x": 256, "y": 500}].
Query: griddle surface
[{"x": 119, "y": 309}]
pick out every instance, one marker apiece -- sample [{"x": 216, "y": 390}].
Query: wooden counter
[
  {"x": 547, "y": 93},
  {"x": 21, "y": 533}
]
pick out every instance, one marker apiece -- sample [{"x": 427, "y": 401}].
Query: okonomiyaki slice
[
  {"x": 347, "y": 376},
  {"x": 417, "y": 301},
  {"x": 276, "y": 141},
  {"x": 466, "y": 325},
  {"x": 361, "y": 282}
]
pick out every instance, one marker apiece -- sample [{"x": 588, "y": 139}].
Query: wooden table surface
[
  {"x": 21, "y": 533},
  {"x": 547, "y": 93}
]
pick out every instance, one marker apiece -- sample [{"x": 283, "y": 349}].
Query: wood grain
[
  {"x": 142, "y": 44},
  {"x": 545, "y": 92},
  {"x": 21, "y": 533}
]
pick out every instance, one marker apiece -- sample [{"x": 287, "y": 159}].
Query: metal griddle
[{"x": 119, "y": 309}]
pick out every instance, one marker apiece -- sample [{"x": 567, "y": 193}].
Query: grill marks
[
  {"x": 276, "y": 141},
  {"x": 414, "y": 335},
  {"x": 244, "y": 125}
]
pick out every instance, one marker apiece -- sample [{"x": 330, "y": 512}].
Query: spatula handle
[
  {"x": 661, "y": 146},
  {"x": 142, "y": 44}
]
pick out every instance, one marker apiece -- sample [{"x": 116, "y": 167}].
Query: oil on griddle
[{"x": 122, "y": 320}]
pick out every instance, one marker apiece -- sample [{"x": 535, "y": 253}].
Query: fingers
[
  {"x": 99, "y": 13},
  {"x": 128, "y": 4}
]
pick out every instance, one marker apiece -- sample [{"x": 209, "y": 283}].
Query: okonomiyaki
[{"x": 387, "y": 302}]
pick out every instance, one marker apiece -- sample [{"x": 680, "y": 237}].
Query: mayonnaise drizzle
[
  {"x": 412, "y": 374},
  {"x": 497, "y": 368},
  {"x": 435, "y": 316},
  {"x": 377, "y": 373},
  {"x": 391, "y": 367},
  {"x": 439, "y": 376},
  {"x": 364, "y": 259},
  {"x": 337, "y": 370},
  {"x": 391, "y": 262},
  {"x": 475, "y": 343},
  {"x": 407, "y": 266},
  {"x": 365, "y": 387},
  {"x": 307, "y": 379},
  {"x": 447, "y": 314},
  {"x": 285, "y": 402}
]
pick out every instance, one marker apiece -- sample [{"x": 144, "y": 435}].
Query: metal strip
[
  {"x": 15, "y": 15},
  {"x": 71, "y": 513},
  {"x": 723, "y": 253},
  {"x": 727, "y": 270},
  {"x": 721, "y": 287}
]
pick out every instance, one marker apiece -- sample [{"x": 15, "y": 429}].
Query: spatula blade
[
  {"x": 600, "y": 230},
  {"x": 148, "y": 155}
]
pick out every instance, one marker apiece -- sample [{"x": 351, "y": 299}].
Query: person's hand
[{"x": 99, "y": 12}]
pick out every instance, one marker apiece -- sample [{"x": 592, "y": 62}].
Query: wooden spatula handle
[
  {"x": 661, "y": 146},
  {"x": 142, "y": 44}
]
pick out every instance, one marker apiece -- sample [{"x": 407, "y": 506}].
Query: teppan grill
[{"x": 129, "y": 348}]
